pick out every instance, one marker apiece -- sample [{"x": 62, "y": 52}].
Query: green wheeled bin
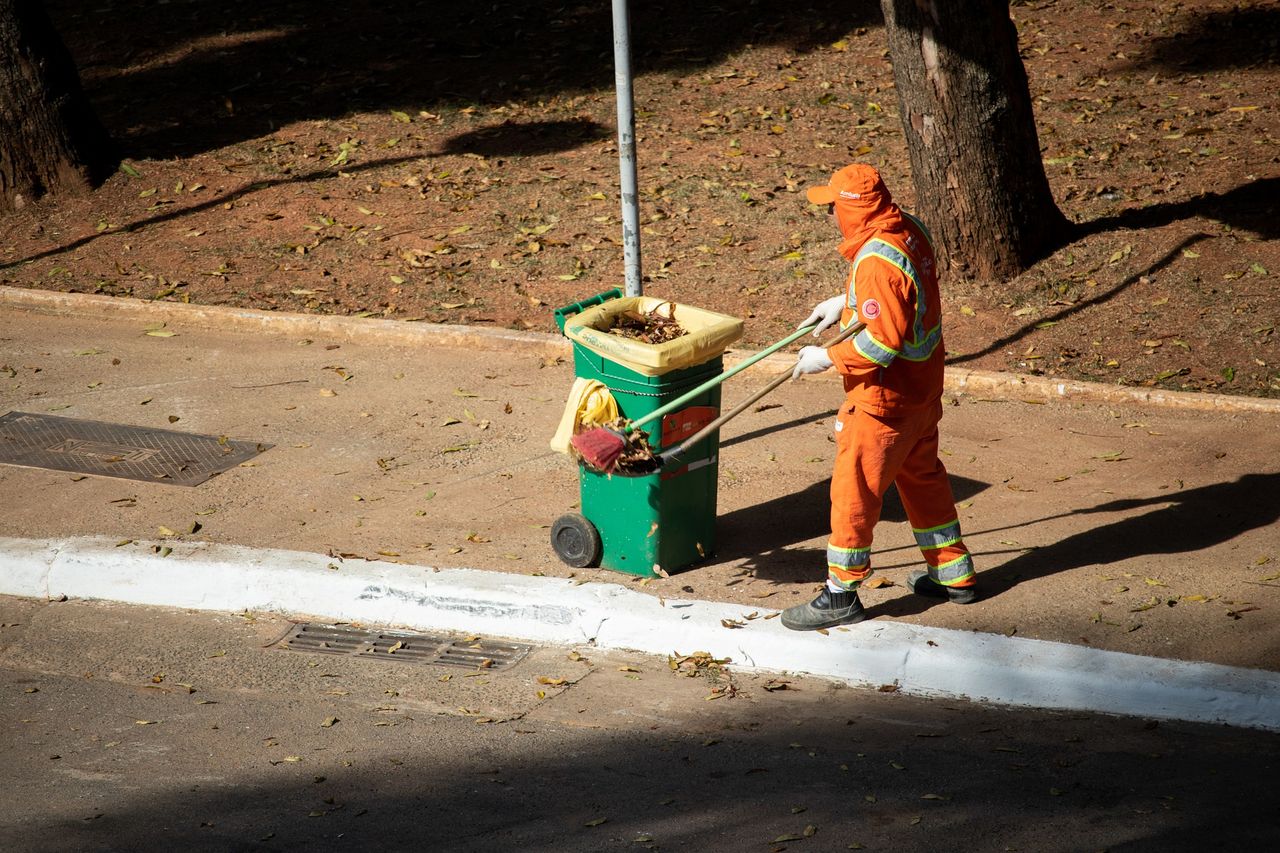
[{"x": 663, "y": 522}]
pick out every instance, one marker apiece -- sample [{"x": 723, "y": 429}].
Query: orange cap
[{"x": 858, "y": 185}]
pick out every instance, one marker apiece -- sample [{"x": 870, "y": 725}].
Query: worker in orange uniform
[{"x": 887, "y": 428}]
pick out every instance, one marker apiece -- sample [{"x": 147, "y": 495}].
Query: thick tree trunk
[
  {"x": 50, "y": 138},
  {"x": 975, "y": 156}
]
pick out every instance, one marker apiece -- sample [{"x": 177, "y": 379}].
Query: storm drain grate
[
  {"x": 118, "y": 450},
  {"x": 468, "y": 653}
]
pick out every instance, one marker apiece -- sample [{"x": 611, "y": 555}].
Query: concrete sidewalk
[{"x": 1098, "y": 520}]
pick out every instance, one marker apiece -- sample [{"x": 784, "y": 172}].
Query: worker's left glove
[
  {"x": 811, "y": 360},
  {"x": 825, "y": 313}
]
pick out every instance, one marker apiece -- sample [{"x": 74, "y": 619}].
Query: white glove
[
  {"x": 811, "y": 360},
  {"x": 825, "y": 313}
]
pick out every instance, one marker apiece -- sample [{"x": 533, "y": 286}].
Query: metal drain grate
[
  {"x": 118, "y": 450},
  {"x": 472, "y": 653}
]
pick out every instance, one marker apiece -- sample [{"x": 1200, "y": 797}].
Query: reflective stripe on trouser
[
  {"x": 871, "y": 453},
  {"x": 945, "y": 554}
]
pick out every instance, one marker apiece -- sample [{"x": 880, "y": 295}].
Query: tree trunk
[
  {"x": 50, "y": 138},
  {"x": 975, "y": 156}
]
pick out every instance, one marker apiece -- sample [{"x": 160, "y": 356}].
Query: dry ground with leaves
[{"x": 435, "y": 163}]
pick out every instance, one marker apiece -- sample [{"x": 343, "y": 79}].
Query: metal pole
[{"x": 627, "y": 148}]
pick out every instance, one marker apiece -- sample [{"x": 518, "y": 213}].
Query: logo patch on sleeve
[{"x": 870, "y": 309}]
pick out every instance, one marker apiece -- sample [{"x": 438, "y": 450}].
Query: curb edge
[
  {"x": 1012, "y": 386},
  {"x": 919, "y": 660}
]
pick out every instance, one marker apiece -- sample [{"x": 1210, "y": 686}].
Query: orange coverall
[{"x": 887, "y": 429}]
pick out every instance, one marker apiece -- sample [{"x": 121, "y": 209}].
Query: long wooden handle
[
  {"x": 668, "y": 408},
  {"x": 684, "y": 446}
]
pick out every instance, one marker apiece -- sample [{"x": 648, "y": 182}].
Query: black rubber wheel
[{"x": 576, "y": 541}]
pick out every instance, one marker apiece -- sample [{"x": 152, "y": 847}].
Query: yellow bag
[
  {"x": 708, "y": 333},
  {"x": 590, "y": 404}
]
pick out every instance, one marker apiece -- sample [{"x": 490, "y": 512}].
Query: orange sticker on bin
[{"x": 678, "y": 426}]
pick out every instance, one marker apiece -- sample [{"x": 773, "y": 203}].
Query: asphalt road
[{"x": 129, "y": 728}]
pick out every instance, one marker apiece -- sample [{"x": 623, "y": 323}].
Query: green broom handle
[{"x": 733, "y": 371}]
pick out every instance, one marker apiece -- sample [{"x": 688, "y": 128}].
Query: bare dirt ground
[{"x": 437, "y": 163}]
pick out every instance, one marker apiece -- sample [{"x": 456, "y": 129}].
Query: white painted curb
[{"x": 920, "y": 660}]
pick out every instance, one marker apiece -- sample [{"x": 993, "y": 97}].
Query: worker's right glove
[
  {"x": 825, "y": 313},
  {"x": 811, "y": 360}
]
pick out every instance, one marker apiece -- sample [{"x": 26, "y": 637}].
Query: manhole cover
[
  {"x": 118, "y": 450},
  {"x": 469, "y": 653}
]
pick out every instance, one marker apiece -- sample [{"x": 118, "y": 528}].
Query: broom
[{"x": 601, "y": 447}]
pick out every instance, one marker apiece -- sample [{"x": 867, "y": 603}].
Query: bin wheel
[{"x": 576, "y": 541}]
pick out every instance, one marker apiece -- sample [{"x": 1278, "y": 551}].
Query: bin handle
[{"x": 733, "y": 371}]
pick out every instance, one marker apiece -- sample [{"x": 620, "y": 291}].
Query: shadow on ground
[
  {"x": 766, "y": 531},
  {"x": 868, "y": 776},
  {"x": 175, "y": 79},
  {"x": 1241, "y": 37},
  {"x": 1178, "y": 523}
]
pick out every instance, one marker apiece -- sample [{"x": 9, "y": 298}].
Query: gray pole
[{"x": 627, "y": 148}]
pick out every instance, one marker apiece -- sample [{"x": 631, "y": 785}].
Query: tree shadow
[
  {"x": 1251, "y": 206},
  {"x": 1248, "y": 207},
  {"x": 696, "y": 787},
  {"x": 1187, "y": 522},
  {"x": 218, "y": 200},
  {"x": 526, "y": 139},
  {"x": 1217, "y": 40},
  {"x": 766, "y": 531},
  {"x": 171, "y": 80},
  {"x": 1084, "y": 304}
]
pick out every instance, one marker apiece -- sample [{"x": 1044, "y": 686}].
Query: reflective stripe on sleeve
[
  {"x": 872, "y": 350},
  {"x": 920, "y": 343}
]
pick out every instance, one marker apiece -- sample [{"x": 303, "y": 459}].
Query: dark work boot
[
  {"x": 921, "y": 584},
  {"x": 826, "y": 611}
]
